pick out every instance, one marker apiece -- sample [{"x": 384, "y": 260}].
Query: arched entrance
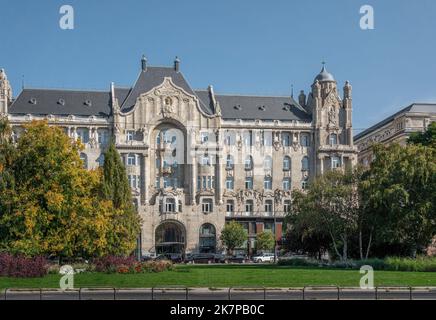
[
  {"x": 207, "y": 243},
  {"x": 170, "y": 238}
]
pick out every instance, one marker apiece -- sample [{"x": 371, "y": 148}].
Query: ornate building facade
[
  {"x": 396, "y": 128},
  {"x": 196, "y": 159}
]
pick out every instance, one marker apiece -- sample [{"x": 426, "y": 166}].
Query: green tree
[
  {"x": 427, "y": 138},
  {"x": 400, "y": 190},
  {"x": 265, "y": 241},
  {"x": 115, "y": 187},
  {"x": 233, "y": 236},
  {"x": 330, "y": 206}
]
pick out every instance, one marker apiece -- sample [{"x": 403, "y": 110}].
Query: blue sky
[{"x": 245, "y": 46}]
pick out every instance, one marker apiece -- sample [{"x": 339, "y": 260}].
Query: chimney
[
  {"x": 144, "y": 63},
  {"x": 177, "y": 64}
]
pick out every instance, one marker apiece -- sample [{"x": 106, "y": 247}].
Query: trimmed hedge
[{"x": 420, "y": 264}]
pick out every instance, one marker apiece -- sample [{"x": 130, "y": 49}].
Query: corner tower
[
  {"x": 5, "y": 93},
  {"x": 332, "y": 123}
]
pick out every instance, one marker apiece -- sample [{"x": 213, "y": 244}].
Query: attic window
[
  {"x": 287, "y": 108},
  {"x": 238, "y": 107},
  {"x": 263, "y": 108},
  {"x": 88, "y": 103},
  {"x": 61, "y": 102},
  {"x": 32, "y": 101}
]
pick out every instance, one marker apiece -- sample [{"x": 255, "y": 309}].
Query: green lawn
[{"x": 231, "y": 275}]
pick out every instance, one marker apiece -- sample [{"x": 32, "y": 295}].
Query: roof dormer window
[
  {"x": 262, "y": 108},
  {"x": 61, "y": 102},
  {"x": 88, "y": 103},
  {"x": 238, "y": 107},
  {"x": 32, "y": 101}
]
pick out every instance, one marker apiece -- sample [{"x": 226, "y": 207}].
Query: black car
[
  {"x": 235, "y": 259},
  {"x": 201, "y": 258}
]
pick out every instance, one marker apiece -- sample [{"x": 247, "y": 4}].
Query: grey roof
[
  {"x": 62, "y": 102},
  {"x": 413, "y": 108},
  {"x": 154, "y": 76},
  {"x": 261, "y": 107},
  {"x": 324, "y": 75}
]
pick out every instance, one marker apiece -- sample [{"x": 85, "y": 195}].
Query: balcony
[{"x": 255, "y": 214}]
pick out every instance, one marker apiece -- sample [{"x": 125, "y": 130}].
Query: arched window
[
  {"x": 305, "y": 164},
  {"x": 333, "y": 139},
  {"x": 84, "y": 159},
  {"x": 286, "y": 163},
  {"x": 249, "y": 163},
  {"x": 304, "y": 140},
  {"x": 267, "y": 163},
  {"x": 286, "y": 139}
]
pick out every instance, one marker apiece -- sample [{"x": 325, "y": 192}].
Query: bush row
[
  {"x": 420, "y": 264},
  {"x": 111, "y": 264},
  {"x": 22, "y": 267}
]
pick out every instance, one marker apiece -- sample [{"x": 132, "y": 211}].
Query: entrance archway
[
  {"x": 207, "y": 240},
  {"x": 170, "y": 238}
]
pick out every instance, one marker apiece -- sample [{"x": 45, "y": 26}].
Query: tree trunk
[
  {"x": 335, "y": 247},
  {"x": 369, "y": 245},
  {"x": 345, "y": 248}
]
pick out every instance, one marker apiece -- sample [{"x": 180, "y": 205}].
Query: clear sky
[{"x": 239, "y": 46}]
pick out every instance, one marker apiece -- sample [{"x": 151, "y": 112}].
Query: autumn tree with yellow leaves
[{"x": 51, "y": 205}]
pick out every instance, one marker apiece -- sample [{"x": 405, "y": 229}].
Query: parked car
[
  {"x": 201, "y": 258},
  {"x": 264, "y": 257},
  {"x": 235, "y": 259}
]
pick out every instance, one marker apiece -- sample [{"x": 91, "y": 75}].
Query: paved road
[{"x": 330, "y": 293}]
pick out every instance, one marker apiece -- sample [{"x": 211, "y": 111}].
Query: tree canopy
[{"x": 50, "y": 204}]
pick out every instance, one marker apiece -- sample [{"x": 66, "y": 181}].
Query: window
[
  {"x": 305, "y": 140},
  {"x": 267, "y": 138},
  {"x": 267, "y": 163},
  {"x": 286, "y": 139},
  {"x": 157, "y": 183},
  {"x": 131, "y": 159},
  {"x": 229, "y": 138},
  {"x": 249, "y": 207},
  {"x": 83, "y": 134},
  {"x": 100, "y": 160},
  {"x": 230, "y": 206},
  {"x": 248, "y": 138},
  {"x": 229, "y": 162},
  {"x": 267, "y": 183},
  {"x": 205, "y": 160},
  {"x": 134, "y": 181},
  {"x": 287, "y": 163},
  {"x": 84, "y": 159},
  {"x": 230, "y": 183},
  {"x": 287, "y": 206},
  {"x": 204, "y": 137},
  {"x": 248, "y": 163},
  {"x": 166, "y": 182},
  {"x": 170, "y": 205},
  {"x": 304, "y": 184},
  {"x": 102, "y": 136},
  {"x": 249, "y": 183},
  {"x": 286, "y": 184},
  {"x": 130, "y": 135},
  {"x": 206, "y": 205},
  {"x": 336, "y": 162},
  {"x": 305, "y": 164},
  {"x": 333, "y": 139},
  {"x": 268, "y": 207}
]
